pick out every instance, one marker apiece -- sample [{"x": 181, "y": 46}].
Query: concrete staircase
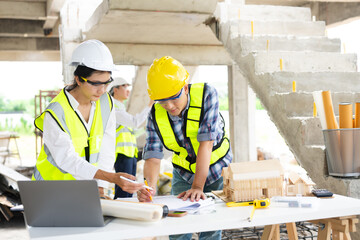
[{"x": 274, "y": 46}]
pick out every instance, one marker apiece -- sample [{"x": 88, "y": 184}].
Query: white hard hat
[
  {"x": 93, "y": 54},
  {"x": 118, "y": 81}
]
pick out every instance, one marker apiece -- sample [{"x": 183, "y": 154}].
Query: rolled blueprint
[
  {"x": 320, "y": 108},
  {"x": 133, "y": 210},
  {"x": 346, "y": 136}
]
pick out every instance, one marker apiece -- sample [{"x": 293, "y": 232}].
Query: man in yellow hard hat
[{"x": 185, "y": 119}]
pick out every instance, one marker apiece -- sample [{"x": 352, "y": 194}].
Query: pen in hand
[{"x": 148, "y": 189}]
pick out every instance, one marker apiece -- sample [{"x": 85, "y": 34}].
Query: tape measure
[{"x": 262, "y": 203}]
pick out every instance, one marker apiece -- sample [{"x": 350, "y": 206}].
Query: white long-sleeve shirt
[
  {"x": 63, "y": 151},
  {"x": 128, "y": 120}
]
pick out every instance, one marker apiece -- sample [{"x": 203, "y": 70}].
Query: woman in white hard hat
[
  {"x": 126, "y": 150},
  {"x": 79, "y": 124}
]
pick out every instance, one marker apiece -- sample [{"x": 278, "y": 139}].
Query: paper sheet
[
  {"x": 320, "y": 108},
  {"x": 177, "y": 204}
]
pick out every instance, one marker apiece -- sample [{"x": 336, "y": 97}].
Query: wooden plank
[
  {"x": 336, "y": 235},
  {"x": 325, "y": 233},
  {"x": 340, "y": 228},
  {"x": 268, "y": 232},
  {"x": 6, "y": 212},
  {"x": 291, "y": 230},
  {"x": 352, "y": 224},
  {"x": 276, "y": 234}
]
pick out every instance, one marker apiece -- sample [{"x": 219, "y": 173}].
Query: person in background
[
  {"x": 126, "y": 150},
  {"x": 185, "y": 119},
  {"x": 79, "y": 125}
]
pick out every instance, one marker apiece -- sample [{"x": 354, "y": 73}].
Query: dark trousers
[{"x": 124, "y": 164}]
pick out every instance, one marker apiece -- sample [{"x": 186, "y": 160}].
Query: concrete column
[
  {"x": 139, "y": 97},
  {"x": 242, "y": 116}
]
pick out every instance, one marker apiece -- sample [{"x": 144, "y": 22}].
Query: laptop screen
[{"x": 61, "y": 203}]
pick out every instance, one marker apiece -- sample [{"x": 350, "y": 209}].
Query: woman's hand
[
  {"x": 193, "y": 193},
  {"x": 125, "y": 185}
]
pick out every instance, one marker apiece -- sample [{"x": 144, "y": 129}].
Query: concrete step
[
  {"x": 246, "y": 44},
  {"x": 316, "y": 162},
  {"x": 267, "y": 62},
  {"x": 300, "y": 104},
  {"x": 310, "y": 131},
  {"x": 281, "y": 82},
  {"x": 265, "y": 12},
  {"x": 287, "y": 28}
]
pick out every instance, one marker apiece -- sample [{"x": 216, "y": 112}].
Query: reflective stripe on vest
[
  {"x": 126, "y": 142},
  {"x": 87, "y": 145},
  {"x": 193, "y": 118}
]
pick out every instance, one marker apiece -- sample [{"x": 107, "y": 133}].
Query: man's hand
[
  {"x": 143, "y": 195},
  {"x": 193, "y": 194}
]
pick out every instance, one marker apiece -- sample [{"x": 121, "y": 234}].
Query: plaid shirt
[{"x": 210, "y": 129}]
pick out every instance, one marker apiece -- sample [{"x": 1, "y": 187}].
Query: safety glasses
[
  {"x": 96, "y": 84},
  {"x": 164, "y": 101}
]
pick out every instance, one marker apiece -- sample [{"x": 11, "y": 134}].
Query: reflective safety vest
[
  {"x": 193, "y": 117},
  {"x": 87, "y": 145},
  {"x": 126, "y": 142}
]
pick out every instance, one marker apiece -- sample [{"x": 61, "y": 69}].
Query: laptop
[{"x": 61, "y": 203}]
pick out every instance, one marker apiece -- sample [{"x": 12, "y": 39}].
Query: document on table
[{"x": 177, "y": 204}]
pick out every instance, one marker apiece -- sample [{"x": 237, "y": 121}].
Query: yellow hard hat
[{"x": 166, "y": 77}]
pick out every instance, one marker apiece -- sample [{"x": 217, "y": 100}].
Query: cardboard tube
[
  {"x": 356, "y": 150},
  {"x": 357, "y": 115},
  {"x": 132, "y": 210},
  {"x": 345, "y": 115},
  {"x": 346, "y": 136},
  {"x": 334, "y": 139},
  {"x": 329, "y": 111},
  {"x": 357, "y": 139}
]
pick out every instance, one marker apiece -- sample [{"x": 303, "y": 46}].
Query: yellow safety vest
[
  {"x": 87, "y": 145},
  {"x": 126, "y": 142},
  {"x": 193, "y": 118}
]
